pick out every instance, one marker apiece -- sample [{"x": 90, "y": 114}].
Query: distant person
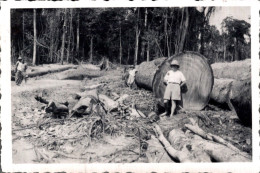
[
  {"x": 20, "y": 69},
  {"x": 174, "y": 79}
]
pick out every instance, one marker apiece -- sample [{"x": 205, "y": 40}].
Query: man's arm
[{"x": 183, "y": 80}]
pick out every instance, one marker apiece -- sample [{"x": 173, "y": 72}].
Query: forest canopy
[{"x": 124, "y": 35}]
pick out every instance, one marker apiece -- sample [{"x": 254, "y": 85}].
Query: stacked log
[{"x": 233, "y": 87}]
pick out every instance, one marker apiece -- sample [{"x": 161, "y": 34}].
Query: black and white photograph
[{"x": 130, "y": 85}]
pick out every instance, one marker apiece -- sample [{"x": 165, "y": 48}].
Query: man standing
[
  {"x": 20, "y": 69},
  {"x": 174, "y": 79}
]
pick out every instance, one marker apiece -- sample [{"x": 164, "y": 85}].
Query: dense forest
[{"x": 124, "y": 35}]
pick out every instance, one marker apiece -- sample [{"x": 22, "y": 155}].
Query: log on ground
[
  {"x": 43, "y": 71},
  {"x": 238, "y": 70},
  {"x": 78, "y": 74},
  {"x": 146, "y": 72},
  {"x": 241, "y": 100},
  {"x": 205, "y": 150},
  {"x": 221, "y": 91},
  {"x": 199, "y": 77},
  {"x": 233, "y": 86}
]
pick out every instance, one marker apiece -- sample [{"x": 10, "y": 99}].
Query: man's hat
[
  {"x": 175, "y": 62},
  {"x": 20, "y": 58}
]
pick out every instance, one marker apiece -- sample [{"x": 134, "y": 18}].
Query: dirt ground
[{"x": 126, "y": 140}]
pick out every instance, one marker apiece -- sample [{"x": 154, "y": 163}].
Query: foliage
[{"x": 91, "y": 34}]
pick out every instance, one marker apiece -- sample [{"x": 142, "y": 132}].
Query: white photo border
[{"x": 6, "y": 134}]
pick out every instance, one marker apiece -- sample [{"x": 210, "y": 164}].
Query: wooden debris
[
  {"x": 109, "y": 104},
  {"x": 92, "y": 87},
  {"x": 122, "y": 98},
  {"x": 181, "y": 156},
  {"x": 58, "y": 109}
]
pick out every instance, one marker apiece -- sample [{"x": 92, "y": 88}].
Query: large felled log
[
  {"x": 43, "y": 71},
  {"x": 199, "y": 77},
  {"x": 78, "y": 74},
  {"x": 146, "y": 72},
  {"x": 221, "y": 91},
  {"x": 241, "y": 100},
  {"x": 233, "y": 85},
  {"x": 238, "y": 70}
]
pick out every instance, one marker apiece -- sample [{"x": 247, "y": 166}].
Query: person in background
[
  {"x": 174, "y": 79},
  {"x": 20, "y": 71}
]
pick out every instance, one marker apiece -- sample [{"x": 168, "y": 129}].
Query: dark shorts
[{"x": 172, "y": 92}]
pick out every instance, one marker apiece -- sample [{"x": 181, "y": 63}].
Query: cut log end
[{"x": 199, "y": 78}]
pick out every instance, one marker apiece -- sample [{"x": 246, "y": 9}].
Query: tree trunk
[
  {"x": 91, "y": 50},
  {"x": 77, "y": 46},
  {"x": 63, "y": 36},
  {"x": 221, "y": 92},
  {"x": 69, "y": 43},
  {"x": 23, "y": 32},
  {"x": 34, "y": 37},
  {"x": 183, "y": 32},
  {"x": 239, "y": 72},
  {"x": 166, "y": 34},
  {"x": 146, "y": 72},
  {"x": 120, "y": 47},
  {"x": 224, "y": 54},
  {"x": 40, "y": 72},
  {"x": 137, "y": 33},
  {"x": 52, "y": 40},
  {"x": 148, "y": 52}
]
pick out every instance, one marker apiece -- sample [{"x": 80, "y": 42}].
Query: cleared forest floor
[{"x": 39, "y": 138}]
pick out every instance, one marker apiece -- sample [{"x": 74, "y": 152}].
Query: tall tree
[
  {"x": 77, "y": 46},
  {"x": 137, "y": 34},
  {"x": 34, "y": 37},
  {"x": 70, "y": 35},
  {"x": 64, "y": 29}
]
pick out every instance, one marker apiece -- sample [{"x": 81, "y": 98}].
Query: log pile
[{"x": 233, "y": 88}]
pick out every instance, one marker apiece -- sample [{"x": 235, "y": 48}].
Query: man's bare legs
[
  {"x": 173, "y": 107},
  {"x": 166, "y": 106}
]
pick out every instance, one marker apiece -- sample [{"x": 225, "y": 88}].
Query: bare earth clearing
[{"x": 40, "y": 138}]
